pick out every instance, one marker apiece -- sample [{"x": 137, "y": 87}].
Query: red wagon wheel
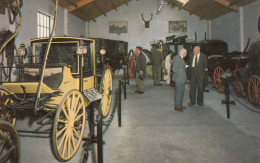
[
  {"x": 218, "y": 82},
  {"x": 238, "y": 88},
  {"x": 253, "y": 89}
]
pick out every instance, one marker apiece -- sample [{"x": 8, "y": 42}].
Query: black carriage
[
  {"x": 245, "y": 71},
  {"x": 111, "y": 53}
]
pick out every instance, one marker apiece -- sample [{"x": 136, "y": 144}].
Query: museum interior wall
[
  {"x": 137, "y": 34},
  {"x": 73, "y": 27},
  {"x": 235, "y": 27}
]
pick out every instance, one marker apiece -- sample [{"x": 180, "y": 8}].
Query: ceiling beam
[
  {"x": 86, "y": 15},
  {"x": 96, "y": 5},
  {"x": 79, "y": 5},
  {"x": 227, "y": 4},
  {"x": 111, "y": 1},
  {"x": 72, "y": 3}
]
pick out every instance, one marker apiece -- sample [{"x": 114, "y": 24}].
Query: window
[{"x": 44, "y": 24}]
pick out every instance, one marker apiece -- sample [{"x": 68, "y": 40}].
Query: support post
[
  {"x": 125, "y": 83},
  {"x": 227, "y": 101},
  {"x": 119, "y": 103},
  {"x": 100, "y": 140},
  {"x": 127, "y": 74}
]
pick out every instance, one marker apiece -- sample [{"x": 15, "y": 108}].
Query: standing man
[
  {"x": 140, "y": 70},
  {"x": 179, "y": 76},
  {"x": 156, "y": 59},
  {"x": 197, "y": 66}
]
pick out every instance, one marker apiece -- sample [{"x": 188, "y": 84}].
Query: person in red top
[{"x": 140, "y": 66}]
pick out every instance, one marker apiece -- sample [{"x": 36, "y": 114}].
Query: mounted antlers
[{"x": 147, "y": 23}]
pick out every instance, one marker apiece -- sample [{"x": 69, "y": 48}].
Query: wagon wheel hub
[{"x": 70, "y": 124}]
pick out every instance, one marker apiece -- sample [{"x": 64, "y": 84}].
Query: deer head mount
[{"x": 147, "y": 23}]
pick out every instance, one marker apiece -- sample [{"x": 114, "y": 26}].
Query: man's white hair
[
  {"x": 197, "y": 47},
  {"x": 182, "y": 51}
]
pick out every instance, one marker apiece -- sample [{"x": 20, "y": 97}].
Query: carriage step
[{"x": 92, "y": 95}]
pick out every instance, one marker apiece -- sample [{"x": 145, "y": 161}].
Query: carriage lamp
[
  {"x": 103, "y": 51},
  {"x": 22, "y": 50},
  {"x": 81, "y": 49}
]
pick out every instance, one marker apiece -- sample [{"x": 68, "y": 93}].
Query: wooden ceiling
[{"x": 88, "y": 10}]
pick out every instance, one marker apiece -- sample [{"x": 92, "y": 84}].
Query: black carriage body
[
  {"x": 175, "y": 44},
  {"x": 116, "y": 53},
  {"x": 215, "y": 50}
]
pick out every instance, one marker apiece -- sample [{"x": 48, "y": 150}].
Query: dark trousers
[
  {"x": 140, "y": 83},
  {"x": 179, "y": 94},
  {"x": 196, "y": 88},
  {"x": 157, "y": 74}
]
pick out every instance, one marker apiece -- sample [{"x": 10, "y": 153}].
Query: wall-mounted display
[
  {"x": 118, "y": 27},
  {"x": 177, "y": 26}
]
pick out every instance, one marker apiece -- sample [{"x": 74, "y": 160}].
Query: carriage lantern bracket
[
  {"x": 81, "y": 51},
  {"x": 22, "y": 52}
]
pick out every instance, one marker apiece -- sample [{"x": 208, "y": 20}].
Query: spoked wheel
[
  {"x": 9, "y": 143},
  {"x": 149, "y": 70},
  {"x": 254, "y": 90},
  {"x": 238, "y": 89},
  {"x": 218, "y": 82},
  {"x": 69, "y": 125},
  {"x": 106, "y": 91},
  {"x": 5, "y": 113}
]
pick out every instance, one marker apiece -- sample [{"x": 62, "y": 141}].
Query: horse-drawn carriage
[
  {"x": 245, "y": 71},
  {"x": 58, "y": 89},
  {"x": 111, "y": 53}
]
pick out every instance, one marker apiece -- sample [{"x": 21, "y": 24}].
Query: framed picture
[
  {"x": 177, "y": 26},
  {"x": 118, "y": 27}
]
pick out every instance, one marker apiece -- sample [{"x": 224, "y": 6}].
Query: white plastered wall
[{"x": 137, "y": 34}]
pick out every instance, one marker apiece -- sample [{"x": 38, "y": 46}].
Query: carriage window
[
  {"x": 43, "y": 24},
  {"x": 60, "y": 53}
]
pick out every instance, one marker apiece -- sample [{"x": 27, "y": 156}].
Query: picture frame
[
  {"x": 118, "y": 27},
  {"x": 177, "y": 26}
]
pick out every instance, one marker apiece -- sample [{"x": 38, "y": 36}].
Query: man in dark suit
[
  {"x": 196, "y": 73},
  {"x": 156, "y": 59},
  {"x": 179, "y": 76},
  {"x": 140, "y": 66}
]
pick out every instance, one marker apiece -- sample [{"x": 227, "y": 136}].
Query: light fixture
[
  {"x": 81, "y": 48},
  {"x": 22, "y": 50},
  {"x": 103, "y": 51}
]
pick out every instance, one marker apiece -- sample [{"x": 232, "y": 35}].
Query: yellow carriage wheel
[
  {"x": 149, "y": 70},
  {"x": 254, "y": 89},
  {"x": 10, "y": 144},
  {"x": 106, "y": 91},
  {"x": 5, "y": 114},
  {"x": 69, "y": 125}
]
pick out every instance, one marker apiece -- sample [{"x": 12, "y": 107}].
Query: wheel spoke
[
  {"x": 7, "y": 154},
  {"x": 4, "y": 141},
  {"x": 78, "y": 117},
  {"x": 77, "y": 134},
  {"x": 61, "y": 131},
  {"x": 65, "y": 144},
  {"x": 62, "y": 139},
  {"x": 65, "y": 113},
  {"x": 78, "y": 109},
  {"x": 62, "y": 121}
]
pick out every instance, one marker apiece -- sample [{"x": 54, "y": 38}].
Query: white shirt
[{"x": 198, "y": 58}]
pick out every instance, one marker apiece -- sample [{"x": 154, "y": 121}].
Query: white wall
[
  {"x": 76, "y": 27},
  {"x": 251, "y": 16},
  {"x": 29, "y": 27},
  {"x": 137, "y": 33},
  {"x": 235, "y": 27}
]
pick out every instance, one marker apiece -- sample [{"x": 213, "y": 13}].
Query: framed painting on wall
[
  {"x": 177, "y": 26},
  {"x": 118, "y": 27}
]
